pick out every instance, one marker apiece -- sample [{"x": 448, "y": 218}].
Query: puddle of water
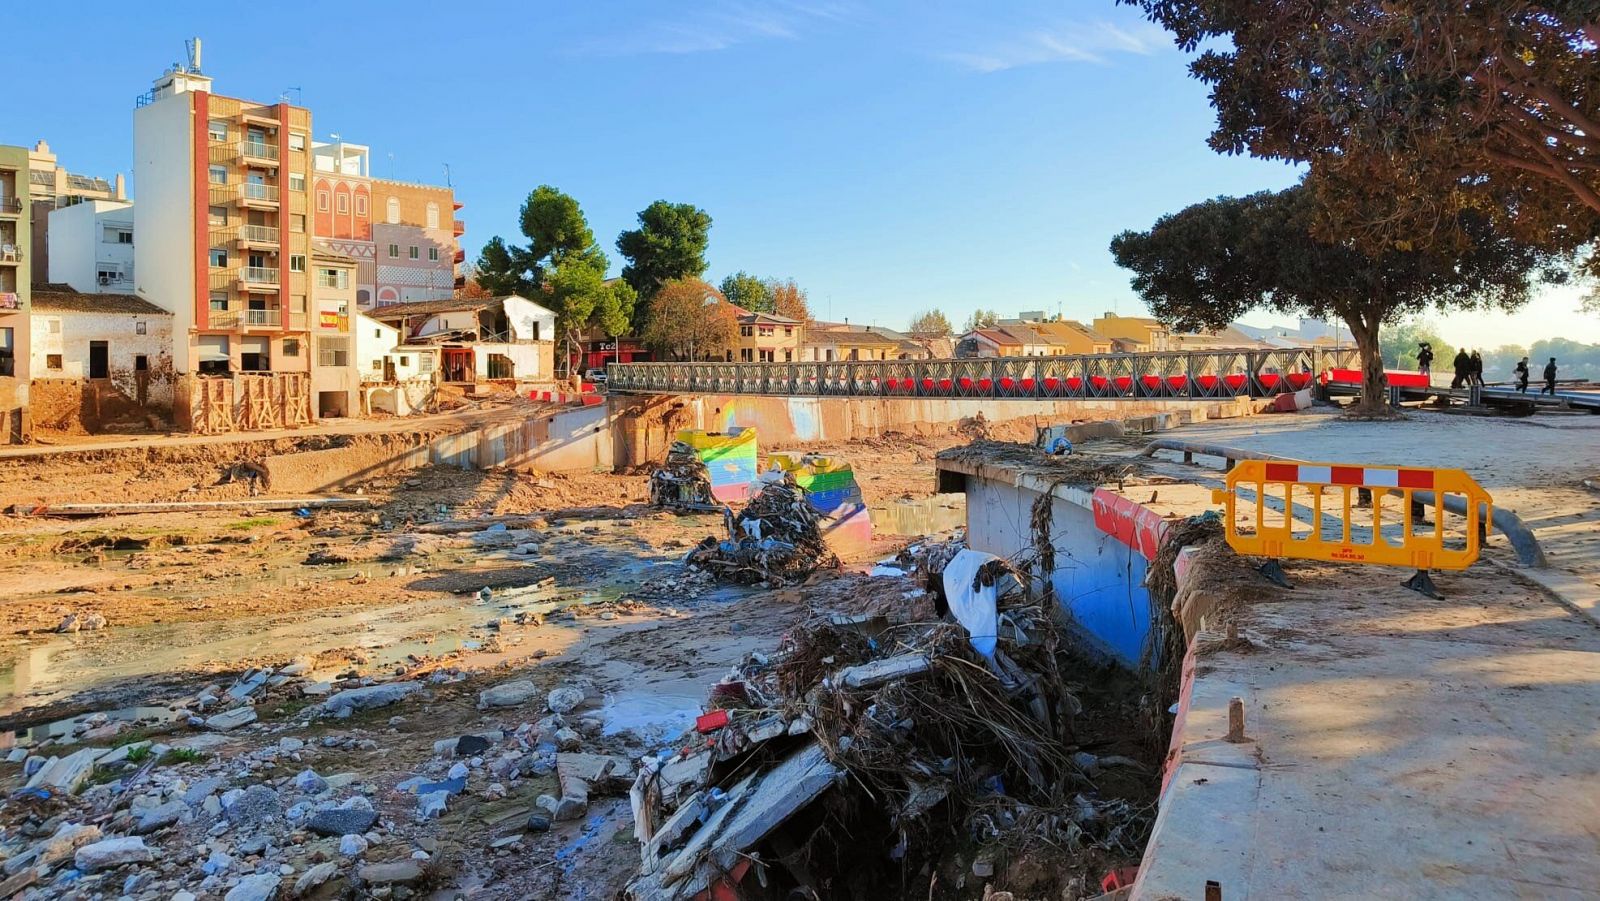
[
  {"x": 920, "y": 516},
  {"x": 652, "y": 716},
  {"x": 64, "y": 728}
]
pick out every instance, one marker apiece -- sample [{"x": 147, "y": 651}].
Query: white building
[
  {"x": 91, "y": 247},
  {"x": 116, "y": 338},
  {"x": 479, "y": 339},
  {"x": 395, "y": 378}
]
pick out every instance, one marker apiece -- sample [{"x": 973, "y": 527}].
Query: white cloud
[
  {"x": 720, "y": 25},
  {"x": 1080, "y": 42}
]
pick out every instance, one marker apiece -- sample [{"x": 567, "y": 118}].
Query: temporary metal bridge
[{"x": 1196, "y": 374}]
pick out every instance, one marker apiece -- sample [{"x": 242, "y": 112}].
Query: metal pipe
[{"x": 1506, "y": 522}]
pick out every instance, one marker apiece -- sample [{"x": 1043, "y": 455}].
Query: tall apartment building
[
  {"x": 52, "y": 188},
  {"x": 224, "y": 238},
  {"x": 16, "y": 278}
]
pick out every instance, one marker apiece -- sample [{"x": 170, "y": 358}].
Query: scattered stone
[
  {"x": 248, "y": 683},
  {"x": 341, "y": 821},
  {"x": 432, "y": 805},
  {"x": 70, "y": 624},
  {"x": 197, "y": 793},
  {"x": 310, "y": 783},
  {"x": 121, "y": 752},
  {"x": 112, "y": 852},
  {"x": 538, "y": 822},
  {"x": 315, "y": 876},
  {"x": 353, "y": 845},
  {"x": 161, "y": 817},
  {"x": 459, "y": 771},
  {"x": 509, "y": 694},
  {"x": 316, "y": 689},
  {"x": 217, "y": 864},
  {"x": 367, "y": 697},
  {"x": 67, "y": 773},
  {"x": 568, "y": 739},
  {"x": 232, "y": 719},
  {"x": 564, "y": 699},
  {"x": 448, "y": 786},
  {"x": 68, "y": 838},
  {"x": 260, "y": 887},
  {"x": 398, "y": 871},
  {"x": 504, "y": 841},
  {"x": 17, "y": 755},
  {"x": 469, "y": 745},
  {"x": 289, "y": 744},
  {"x": 138, "y": 882},
  {"x": 256, "y": 806}
]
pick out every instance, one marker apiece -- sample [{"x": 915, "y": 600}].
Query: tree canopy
[
  {"x": 670, "y": 243},
  {"x": 981, "y": 318},
  {"x": 682, "y": 324},
  {"x": 1410, "y": 114},
  {"x": 1399, "y": 345},
  {"x": 789, "y": 299},
  {"x": 745, "y": 290},
  {"x": 930, "y": 324},
  {"x": 1208, "y": 264}
]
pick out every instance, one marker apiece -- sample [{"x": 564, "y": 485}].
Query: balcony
[
  {"x": 460, "y": 257},
  {"x": 10, "y": 254},
  {"x": 258, "y": 152},
  {"x": 10, "y": 300},
  {"x": 459, "y": 227},
  {"x": 265, "y": 236},
  {"x": 260, "y": 115},
  {"x": 258, "y": 276},
  {"x": 256, "y": 194},
  {"x": 269, "y": 318},
  {"x": 10, "y": 206}
]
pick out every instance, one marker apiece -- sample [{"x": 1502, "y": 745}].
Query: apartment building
[
  {"x": 1133, "y": 334},
  {"x": 418, "y": 242},
  {"x": 341, "y": 219},
  {"x": 91, "y": 246},
  {"x": 16, "y": 278},
  {"x": 51, "y": 188},
  {"x": 223, "y": 242}
]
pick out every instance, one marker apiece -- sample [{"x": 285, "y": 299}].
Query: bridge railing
[{"x": 1219, "y": 373}]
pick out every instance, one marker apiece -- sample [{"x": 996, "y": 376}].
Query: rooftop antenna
[
  {"x": 447, "y": 176},
  {"x": 298, "y": 95},
  {"x": 191, "y": 51}
]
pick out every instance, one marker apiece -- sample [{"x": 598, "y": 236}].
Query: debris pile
[
  {"x": 873, "y": 758},
  {"x": 776, "y": 540},
  {"x": 682, "y": 482}
]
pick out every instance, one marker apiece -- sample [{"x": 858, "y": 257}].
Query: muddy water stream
[{"x": 920, "y": 516}]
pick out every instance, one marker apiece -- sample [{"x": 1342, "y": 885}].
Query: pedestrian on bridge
[
  {"x": 1549, "y": 378},
  {"x": 1521, "y": 372},
  {"x": 1477, "y": 368},
  {"x": 1425, "y": 359},
  {"x": 1463, "y": 365}
]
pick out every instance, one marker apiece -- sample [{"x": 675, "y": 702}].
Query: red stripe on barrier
[
  {"x": 1129, "y": 522},
  {"x": 1416, "y": 478},
  {"x": 1283, "y": 472},
  {"x": 1346, "y": 475}
]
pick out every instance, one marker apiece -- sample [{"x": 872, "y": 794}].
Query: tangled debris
[
  {"x": 870, "y": 757},
  {"x": 776, "y": 540},
  {"x": 1076, "y": 468},
  {"x": 683, "y": 481}
]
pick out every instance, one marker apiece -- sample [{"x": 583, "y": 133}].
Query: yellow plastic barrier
[{"x": 1400, "y": 533}]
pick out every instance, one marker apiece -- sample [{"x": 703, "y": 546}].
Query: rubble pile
[
  {"x": 683, "y": 481},
  {"x": 776, "y": 540},
  {"x": 870, "y": 757}
]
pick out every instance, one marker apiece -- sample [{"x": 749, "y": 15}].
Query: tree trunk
[{"x": 1374, "y": 385}]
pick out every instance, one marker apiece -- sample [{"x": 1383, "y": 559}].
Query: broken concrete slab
[
  {"x": 231, "y": 719},
  {"x": 390, "y": 873},
  {"x": 670, "y": 833},
  {"x": 67, "y": 773},
  {"x": 882, "y": 672},
  {"x": 367, "y": 697},
  {"x": 154, "y": 818},
  {"x": 68, "y": 838},
  {"x": 509, "y": 694},
  {"x": 112, "y": 852},
  {"x": 248, "y": 683}
]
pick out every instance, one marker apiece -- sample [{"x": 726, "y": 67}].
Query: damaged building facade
[
  {"x": 97, "y": 359},
  {"x": 491, "y": 339}
]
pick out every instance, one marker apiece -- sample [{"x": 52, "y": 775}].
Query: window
[
  {"x": 361, "y": 205},
  {"x": 745, "y": 355},
  {"x": 746, "y": 331},
  {"x": 377, "y": 365},
  {"x": 106, "y": 273},
  {"x": 405, "y": 361},
  {"x": 297, "y": 141},
  {"x": 219, "y": 301},
  {"x": 219, "y": 256},
  {"x": 116, "y": 234},
  {"x": 322, "y": 201},
  {"x": 217, "y": 215},
  {"x": 766, "y": 356},
  {"x": 433, "y": 254},
  {"x": 394, "y": 210},
  {"x": 297, "y": 262},
  {"x": 767, "y": 331},
  {"x": 217, "y": 129},
  {"x": 334, "y": 352},
  {"x": 377, "y": 333},
  {"x": 291, "y": 347},
  {"x": 297, "y": 223},
  {"x": 333, "y": 278},
  {"x": 297, "y": 181},
  {"x": 433, "y": 215},
  {"x": 413, "y": 253},
  {"x": 55, "y": 326},
  {"x": 788, "y": 331},
  {"x": 297, "y": 303},
  {"x": 219, "y": 175},
  {"x": 139, "y": 328},
  {"x": 52, "y": 361},
  {"x": 394, "y": 251},
  {"x": 425, "y": 363},
  {"x": 344, "y": 203}
]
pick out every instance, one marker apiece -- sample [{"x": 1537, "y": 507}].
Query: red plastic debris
[
  {"x": 710, "y": 722},
  {"x": 1121, "y": 877}
]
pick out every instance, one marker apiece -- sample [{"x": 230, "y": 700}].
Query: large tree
[
  {"x": 745, "y": 290},
  {"x": 687, "y": 319},
  {"x": 1410, "y": 113},
  {"x": 561, "y": 266},
  {"x": 1206, "y": 265},
  {"x": 981, "y": 318},
  {"x": 930, "y": 324},
  {"x": 670, "y": 243},
  {"x": 789, "y": 299}
]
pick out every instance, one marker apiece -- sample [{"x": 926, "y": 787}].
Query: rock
[
  {"x": 448, "y": 786},
  {"x": 67, "y": 773},
  {"x": 583, "y": 769},
  {"x": 160, "y": 817},
  {"x": 432, "y": 805},
  {"x": 248, "y": 683},
  {"x": 568, "y": 739},
  {"x": 355, "y": 802},
  {"x": 217, "y": 864},
  {"x": 254, "y": 845},
  {"x": 353, "y": 845},
  {"x": 260, "y": 887},
  {"x": 298, "y": 667},
  {"x": 538, "y": 822},
  {"x": 289, "y": 744},
  {"x": 70, "y": 624},
  {"x": 16, "y": 755},
  {"x": 257, "y": 806},
  {"x": 33, "y": 765},
  {"x": 509, "y": 694},
  {"x": 399, "y": 871},
  {"x": 68, "y": 838},
  {"x": 12, "y": 885},
  {"x": 231, "y": 719},
  {"x": 315, "y": 876},
  {"x": 200, "y": 791},
  {"x": 564, "y": 699},
  {"x": 112, "y": 852},
  {"x": 341, "y": 821},
  {"x": 459, "y": 771},
  {"x": 136, "y": 883},
  {"x": 316, "y": 689},
  {"x": 469, "y": 745},
  {"x": 309, "y": 782},
  {"x": 183, "y": 896},
  {"x": 367, "y": 697}
]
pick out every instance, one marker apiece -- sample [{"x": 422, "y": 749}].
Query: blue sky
[{"x": 890, "y": 156}]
